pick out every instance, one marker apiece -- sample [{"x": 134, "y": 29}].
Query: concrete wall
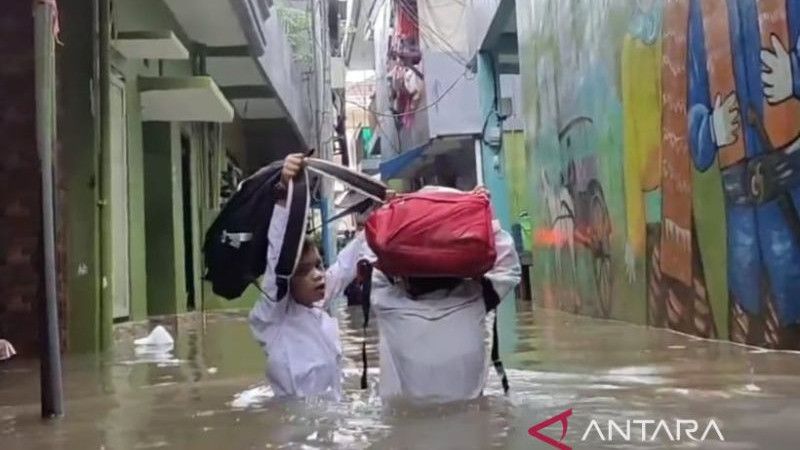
[
  {"x": 267, "y": 141},
  {"x": 452, "y": 91},
  {"x": 287, "y": 79},
  {"x": 450, "y": 87},
  {"x": 619, "y": 100},
  {"x": 511, "y": 87},
  {"x": 479, "y": 19}
]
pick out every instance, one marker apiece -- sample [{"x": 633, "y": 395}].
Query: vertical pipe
[
  {"x": 479, "y": 161},
  {"x": 51, "y": 386},
  {"x": 104, "y": 88}
]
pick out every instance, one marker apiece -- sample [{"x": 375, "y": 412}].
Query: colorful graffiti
[{"x": 664, "y": 136}]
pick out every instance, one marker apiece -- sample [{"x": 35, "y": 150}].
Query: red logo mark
[{"x": 562, "y": 417}]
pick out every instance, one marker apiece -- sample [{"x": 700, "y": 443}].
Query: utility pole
[{"x": 45, "y": 26}]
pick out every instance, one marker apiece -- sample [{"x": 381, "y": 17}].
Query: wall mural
[{"x": 664, "y": 137}]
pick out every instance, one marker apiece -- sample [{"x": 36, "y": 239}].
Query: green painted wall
[
  {"x": 136, "y": 209},
  {"x": 198, "y": 230},
  {"x": 178, "y": 256},
  {"x": 149, "y": 15},
  {"x": 80, "y": 163},
  {"x": 77, "y": 161},
  {"x": 155, "y": 195}
]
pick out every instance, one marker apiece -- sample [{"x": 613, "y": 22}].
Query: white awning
[
  {"x": 187, "y": 99},
  {"x": 150, "y": 45}
]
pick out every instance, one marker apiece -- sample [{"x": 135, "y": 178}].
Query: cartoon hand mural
[
  {"x": 725, "y": 118},
  {"x": 776, "y": 73}
]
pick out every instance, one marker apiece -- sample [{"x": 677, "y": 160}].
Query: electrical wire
[
  {"x": 424, "y": 108},
  {"x": 432, "y": 33},
  {"x": 435, "y": 39},
  {"x": 460, "y": 18},
  {"x": 424, "y": 29}
]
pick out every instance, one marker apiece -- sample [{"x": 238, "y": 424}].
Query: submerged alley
[
  {"x": 639, "y": 159},
  {"x": 208, "y": 393}
]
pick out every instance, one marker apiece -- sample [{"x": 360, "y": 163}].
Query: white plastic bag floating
[
  {"x": 155, "y": 348},
  {"x": 159, "y": 337},
  {"x": 6, "y": 350}
]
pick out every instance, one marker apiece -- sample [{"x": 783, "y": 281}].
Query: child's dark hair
[
  {"x": 309, "y": 243},
  {"x": 312, "y": 242}
]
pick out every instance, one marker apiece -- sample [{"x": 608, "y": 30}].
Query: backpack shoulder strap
[
  {"x": 366, "y": 290},
  {"x": 360, "y": 182},
  {"x": 491, "y": 300},
  {"x": 291, "y": 249}
]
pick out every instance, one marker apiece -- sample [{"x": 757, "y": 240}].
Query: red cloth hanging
[{"x": 407, "y": 15}]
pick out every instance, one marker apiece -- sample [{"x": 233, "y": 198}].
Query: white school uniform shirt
[
  {"x": 301, "y": 343},
  {"x": 433, "y": 348}
]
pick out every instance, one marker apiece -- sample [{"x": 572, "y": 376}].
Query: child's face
[{"x": 308, "y": 283}]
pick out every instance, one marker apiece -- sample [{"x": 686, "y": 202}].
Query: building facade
[{"x": 163, "y": 107}]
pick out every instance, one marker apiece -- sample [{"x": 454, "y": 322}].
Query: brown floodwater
[{"x": 209, "y": 393}]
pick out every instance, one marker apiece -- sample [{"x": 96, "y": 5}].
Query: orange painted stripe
[{"x": 720, "y": 68}]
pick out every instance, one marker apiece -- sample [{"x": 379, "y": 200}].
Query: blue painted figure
[{"x": 736, "y": 88}]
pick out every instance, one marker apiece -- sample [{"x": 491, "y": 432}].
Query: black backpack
[{"x": 235, "y": 247}]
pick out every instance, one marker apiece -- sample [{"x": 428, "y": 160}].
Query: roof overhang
[
  {"x": 186, "y": 99},
  {"x": 501, "y": 38},
  {"x": 247, "y": 53},
  {"x": 150, "y": 45}
]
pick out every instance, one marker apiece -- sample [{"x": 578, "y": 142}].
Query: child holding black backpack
[{"x": 297, "y": 332}]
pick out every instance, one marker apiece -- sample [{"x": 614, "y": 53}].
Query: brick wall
[{"x": 21, "y": 283}]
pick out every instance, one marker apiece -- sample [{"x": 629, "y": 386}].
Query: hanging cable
[
  {"x": 424, "y": 108},
  {"x": 432, "y": 34},
  {"x": 435, "y": 39}
]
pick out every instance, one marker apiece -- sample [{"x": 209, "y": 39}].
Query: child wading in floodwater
[{"x": 297, "y": 332}]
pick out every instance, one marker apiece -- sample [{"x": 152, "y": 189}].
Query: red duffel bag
[{"x": 433, "y": 234}]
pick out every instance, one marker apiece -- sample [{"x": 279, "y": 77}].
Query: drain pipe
[
  {"x": 44, "y": 22},
  {"x": 103, "y": 70}
]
